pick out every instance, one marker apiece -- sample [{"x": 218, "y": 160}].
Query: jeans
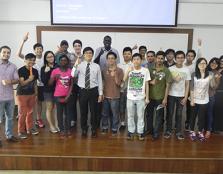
[
  {"x": 138, "y": 107},
  {"x": 210, "y": 113},
  {"x": 171, "y": 102},
  {"x": 63, "y": 115},
  {"x": 7, "y": 108},
  {"x": 73, "y": 105},
  {"x": 200, "y": 111},
  {"x": 113, "y": 105},
  {"x": 123, "y": 101},
  {"x": 158, "y": 116}
]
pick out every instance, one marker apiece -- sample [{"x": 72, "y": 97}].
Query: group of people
[{"x": 133, "y": 93}]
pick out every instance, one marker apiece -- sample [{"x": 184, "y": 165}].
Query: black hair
[
  {"x": 107, "y": 36},
  {"x": 137, "y": 55},
  {"x": 160, "y": 53},
  {"x": 178, "y": 53},
  {"x": 64, "y": 56},
  {"x": 127, "y": 49},
  {"x": 45, "y": 55},
  {"x": 221, "y": 57},
  {"x": 214, "y": 59},
  {"x": 37, "y": 45},
  {"x": 5, "y": 47},
  {"x": 30, "y": 56},
  {"x": 191, "y": 51},
  {"x": 64, "y": 42},
  {"x": 153, "y": 52},
  {"x": 111, "y": 53},
  {"x": 88, "y": 49},
  {"x": 77, "y": 41},
  {"x": 197, "y": 71},
  {"x": 170, "y": 50},
  {"x": 142, "y": 47}
]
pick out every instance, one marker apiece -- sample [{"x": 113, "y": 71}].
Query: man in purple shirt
[{"x": 8, "y": 77}]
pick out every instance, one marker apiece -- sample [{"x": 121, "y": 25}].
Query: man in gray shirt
[{"x": 101, "y": 53}]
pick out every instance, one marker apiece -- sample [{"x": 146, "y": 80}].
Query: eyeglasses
[{"x": 203, "y": 63}]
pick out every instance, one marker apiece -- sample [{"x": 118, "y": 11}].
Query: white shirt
[
  {"x": 38, "y": 65},
  {"x": 137, "y": 84},
  {"x": 177, "y": 88}
]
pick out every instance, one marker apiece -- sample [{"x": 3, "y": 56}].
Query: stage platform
[{"x": 47, "y": 151}]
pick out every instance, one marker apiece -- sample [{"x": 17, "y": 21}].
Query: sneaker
[
  {"x": 141, "y": 137},
  {"x": 39, "y": 123},
  {"x": 53, "y": 131},
  {"x": 22, "y": 135},
  {"x": 73, "y": 123},
  {"x": 12, "y": 139},
  {"x": 104, "y": 131},
  {"x": 192, "y": 136},
  {"x": 186, "y": 127},
  {"x": 201, "y": 136},
  {"x": 130, "y": 136},
  {"x": 114, "y": 132},
  {"x": 180, "y": 137},
  {"x": 32, "y": 131},
  {"x": 122, "y": 128},
  {"x": 207, "y": 134},
  {"x": 167, "y": 135}
]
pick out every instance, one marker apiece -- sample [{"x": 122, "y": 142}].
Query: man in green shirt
[{"x": 159, "y": 88}]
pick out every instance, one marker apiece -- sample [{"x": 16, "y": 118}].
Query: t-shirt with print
[
  {"x": 162, "y": 76},
  {"x": 28, "y": 89},
  {"x": 200, "y": 87},
  {"x": 63, "y": 83},
  {"x": 136, "y": 83},
  {"x": 177, "y": 87}
]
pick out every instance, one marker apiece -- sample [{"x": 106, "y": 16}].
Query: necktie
[{"x": 87, "y": 77}]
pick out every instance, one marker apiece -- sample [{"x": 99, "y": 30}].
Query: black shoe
[
  {"x": 84, "y": 133},
  {"x": 13, "y": 139},
  {"x": 93, "y": 134},
  {"x": 104, "y": 131},
  {"x": 122, "y": 128},
  {"x": 130, "y": 136},
  {"x": 155, "y": 137},
  {"x": 114, "y": 133}
]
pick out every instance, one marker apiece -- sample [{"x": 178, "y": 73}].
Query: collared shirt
[
  {"x": 8, "y": 71},
  {"x": 103, "y": 60},
  {"x": 95, "y": 75}
]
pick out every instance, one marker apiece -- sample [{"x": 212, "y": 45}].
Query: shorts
[{"x": 40, "y": 93}]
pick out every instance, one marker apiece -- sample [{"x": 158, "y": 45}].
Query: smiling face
[
  {"x": 190, "y": 57},
  {"x": 64, "y": 62},
  {"x": 159, "y": 60},
  {"x": 5, "y": 54},
  {"x": 150, "y": 57},
  {"x": 88, "y": 55},
  {"x": 30, "y": 62},
  {"x": 50, "y": 58},
  {"x": 202, "y": 65},
  {"x": 77, "y": 48},
  {"x": 38, "y": 51},
  {"x": 111, "y": 60},
  {"x": 127, "y": 55},
  {"x": 107, "y": 42},
  {"x": 180, "y": 59}
]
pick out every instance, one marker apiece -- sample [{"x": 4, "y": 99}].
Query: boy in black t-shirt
[{"x": 26, "y": 95}]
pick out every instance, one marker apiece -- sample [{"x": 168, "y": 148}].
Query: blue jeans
[
  {"x": 7, "y": 108},
  {"x": 138, "y": 107},
  {"x": 113, "y": 105},
  {"x": 171, "y": 102},
  {"x": 210, "y": 113}
]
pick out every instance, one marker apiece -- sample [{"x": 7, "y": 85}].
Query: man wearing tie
[{"x": 91, "y": 91}]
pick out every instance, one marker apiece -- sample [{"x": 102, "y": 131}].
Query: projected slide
[{"x": 114, "y": 12}]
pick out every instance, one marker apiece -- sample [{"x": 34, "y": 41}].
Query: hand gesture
[
  {"x": 26, "y": 36},
  {"x": 199, "y": 41},
  {"x": 135, "y": 47},
  {"x": 47, "y": 69},
  {"x": 31, "y": 78}
]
